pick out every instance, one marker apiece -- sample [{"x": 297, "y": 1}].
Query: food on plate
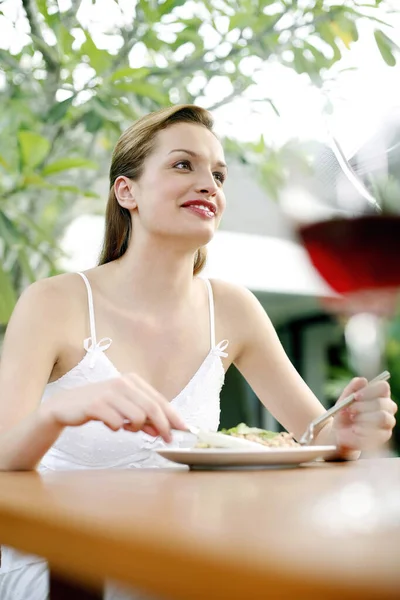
[{"x": 271, "y": 439}]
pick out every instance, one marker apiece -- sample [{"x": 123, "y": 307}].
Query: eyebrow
[{"x": 219, "y": 163}]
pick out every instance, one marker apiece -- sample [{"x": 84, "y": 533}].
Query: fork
[{"x": 308, "y": 435}]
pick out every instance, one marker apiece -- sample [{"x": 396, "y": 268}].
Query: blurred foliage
[
  {"x": 393, "y": 366},
  {"x": 71, "y": 85}
]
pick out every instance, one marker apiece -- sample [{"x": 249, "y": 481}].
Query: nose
[{"x": 207, "y": 185}]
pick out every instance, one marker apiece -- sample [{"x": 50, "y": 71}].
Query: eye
[
  {"x": 183, "y": 164},
  {"x": 220, "y": 176}
]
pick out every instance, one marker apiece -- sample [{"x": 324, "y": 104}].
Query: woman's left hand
[{"x": 368, "y": 422}]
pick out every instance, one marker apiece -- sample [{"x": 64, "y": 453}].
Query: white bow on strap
[
  {"x": 91, "y": 347},
  {"x": 219, "y": 348}
]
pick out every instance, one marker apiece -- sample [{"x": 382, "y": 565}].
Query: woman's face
[{"x": 180, "y": 192}]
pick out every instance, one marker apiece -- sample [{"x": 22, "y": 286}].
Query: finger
[
  {"x": 366, "y": 438},
  {"x": 362, "y": 438},
  {"x": 108, "y": 415},
  {"x": 355, "y": 385},
  {"x": 378, "y": 420},
  {"x": 134, "y": 417},
  {"x": 150, "y": 430},
  {"x": 150, "y": 407},
  {"x": 375, "y": 405},
  {"x": 174, "y": 419},
  {"x": 155, "y": 416},
  {"x": 380, "y": 389}
]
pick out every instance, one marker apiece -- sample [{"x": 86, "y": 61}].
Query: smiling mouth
[{"x": 205, "y": 210}]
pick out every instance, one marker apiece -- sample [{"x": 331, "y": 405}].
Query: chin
[
  {"x": 202, "y": 238},
  {"x": 192, "y": 237}
]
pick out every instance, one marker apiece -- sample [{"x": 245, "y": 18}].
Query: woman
[{"x": 97, "y": 368}]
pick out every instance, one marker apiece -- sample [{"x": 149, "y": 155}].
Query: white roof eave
[{"x": 264, "y": 264}]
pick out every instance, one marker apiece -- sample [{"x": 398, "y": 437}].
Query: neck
[{"x": 154, "y": 276}]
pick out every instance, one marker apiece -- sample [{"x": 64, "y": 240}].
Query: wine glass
[{"x": 344, "y": 212}]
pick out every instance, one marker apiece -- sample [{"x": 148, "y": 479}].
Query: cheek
[
  {"x": 222, "y": 204},
  {"x": 177, "y": 186},
  {"x": 157, "y": 194},
  {"x": 166, "y": 189}
]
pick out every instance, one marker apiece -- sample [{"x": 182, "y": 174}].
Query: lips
[{"x": 201, "y": 207}]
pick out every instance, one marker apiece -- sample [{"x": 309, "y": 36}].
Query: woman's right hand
[{"x": 126, "y": 402}]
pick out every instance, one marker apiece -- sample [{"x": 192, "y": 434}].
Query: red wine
[{"x": 358, "y": 254}]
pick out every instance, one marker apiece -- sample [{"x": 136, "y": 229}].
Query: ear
[{"x": 123, "y": 189}]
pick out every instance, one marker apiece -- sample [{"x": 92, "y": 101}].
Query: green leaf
[
  {"x": 189, "y": 34},
  {"x": 240, "y": 20},
  {"x": 64, "y": 164},
  {"x": 59, "y": 110},
  {"x": 128, "y": 111},
  {"x": 100, "y": 60},
  {"x": 8, "y": 232},
  {"x": 265, "y": 25},
  {"x": 65, "y": 40},
  {"x": 25, "y": 264},
  {"x": 129, "y": 73},
  {"x": 8, "y": 297},
  {"x": 143, "y": 89},
  {"x": 152, "y": 42},
  {"x": 42, "y": 6},
  {"x": 321, "y": 60},
  {"x": 42, "y": 235},
  {"x": 169, "y": 5},
  {"x": 325, "y": 33},
  {"x": 93, "y": 121},
  {"x": 4, "y": 163},
  {"x": 90, "y": 194},
  {"x": 300, "y": 63},
  {"x": 259, "y": 146},
  {"x": 73, "y": 189},
  {"x": 148, "y": 10},
  {"x": 385, "y": 45},
  {"x": 105, "y": 108},
  {"x": 33, "y": 148},
  {"x": 33, "y": 179}
]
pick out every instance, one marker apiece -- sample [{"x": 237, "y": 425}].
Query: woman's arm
[
  {"x": 262, "y": 360},
  {"x": 29, "y": 353},
  {"x": 260, "y": 357}
]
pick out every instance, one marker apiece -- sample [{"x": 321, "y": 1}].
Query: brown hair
[{"x": 132, "y": 149}]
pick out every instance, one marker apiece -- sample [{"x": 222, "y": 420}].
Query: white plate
[{"x": 228, "y": 457}]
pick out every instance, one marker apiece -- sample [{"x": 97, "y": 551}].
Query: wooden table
[{"x": 208, "y": 535}]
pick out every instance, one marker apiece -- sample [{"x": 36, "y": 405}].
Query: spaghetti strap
[
  {"x": 91, "y": 309},
  {"x": 91, "y": 344},
  {"x": 212, "y": 317}
]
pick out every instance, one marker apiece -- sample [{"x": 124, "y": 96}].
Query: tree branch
[
  {"x": 37, "y": 36},
  {"x": 238, "y": 89},
  {"x": 68, "y": 18},
  {"x": 123, "y": 53},
  {"x": 8, "y": 60}
]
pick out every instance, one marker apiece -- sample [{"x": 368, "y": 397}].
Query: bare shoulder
[
  {"x": 48, "y": 307},
  {"x": 51, "y": 295},
  {"x": 35, "y": 334},
  {"x": 240, "y": 316},
  {"x": 236, "y": 300}
]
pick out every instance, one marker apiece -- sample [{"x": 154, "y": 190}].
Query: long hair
[{"x": 132, "y": 149}]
